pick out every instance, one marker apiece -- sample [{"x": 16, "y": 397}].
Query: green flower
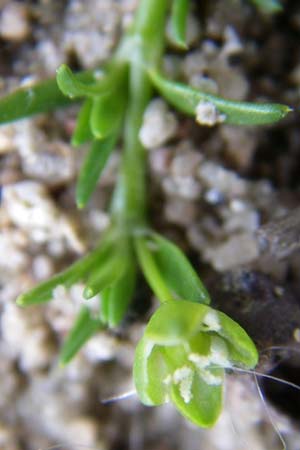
[{"x": 183, "y": 355}]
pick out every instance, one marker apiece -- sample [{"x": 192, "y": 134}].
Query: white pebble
[
  {"x": 159, "y": 125},
  {"x": 208, "y": 114},
  {"x": 14, "y": 24}
]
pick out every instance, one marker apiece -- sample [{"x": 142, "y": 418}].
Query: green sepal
[
  {"x": 149, "y": 374},
  {"x": 82, "y": 132},
  {"x": 92, "y": 168},
  {"x": 72, "y": 87},
  {"x": 179, "y": 12},
  {"x": 175, "y": 322},
  {"x": 85, "y": 326},
  {"x": 241, "y": 348},
  {"x": 206, "y": 402},
  {"x": 268, "y": 6},
  {"x": 186, "y": 99},
  {"x": 179, "y": 321},
  {"x": 116, "y": 298}
]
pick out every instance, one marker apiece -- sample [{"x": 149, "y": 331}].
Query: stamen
[
  {"x": 184, "y": 377},
  {"x": 211, "y": 320}
]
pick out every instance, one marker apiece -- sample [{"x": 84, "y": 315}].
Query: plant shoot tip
[{"x": 88, "y": 293}]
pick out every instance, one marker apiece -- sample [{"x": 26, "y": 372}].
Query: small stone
[
  {"x": 51, "y": 162},
  {"x": 28, "y": 337},
  {"x": 101, "y": 347},
  {"x": 204, "y": 84},
  {"x": 30, "y": 208},
  {"x": 42, "y": 267},
  {"x": 160, "y": 160},
  {"x": 90, "y": 30},
  {"x": 159, "y": 125},
  {"x": 86, "y": 429},
  {"x": 208, "y": 114},
  {"x": 14, "y": 23},
  {"x": 185, "y": 162},
  {"x": 240, "y": 144},
  {"x": 180, "y": 212},
  {"x": 232, "y": 44},
  {"x": 12, "y": 245},
  {"x": 213, "y": 196},
  {"x": 237, "y": 250},
  {"x": 227, "y": 182},
  {"x": 296, "y": 334},
  {"x": 6, "y": 139},
  {"x": 246, "y": 219},
  {"x": 184, "y": 187}
]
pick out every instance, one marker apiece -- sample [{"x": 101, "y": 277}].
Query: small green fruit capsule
[{"x": 183, "y": 355}]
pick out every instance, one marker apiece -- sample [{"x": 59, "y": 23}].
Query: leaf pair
[
  {"x": 182, "y": 357},
  {"x": 167, "y": 270},
  {"x": 115, "y": 281},
  {"x": 110, "y": 270},
  {"x": 99, "y": 120}
]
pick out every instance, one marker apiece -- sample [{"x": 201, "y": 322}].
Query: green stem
[
  {"x": 151, "y": 271},
  {"x": 146, "y": 45}
]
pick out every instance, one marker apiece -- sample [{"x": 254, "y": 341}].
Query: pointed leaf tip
[{"x": 88, "y": 293}]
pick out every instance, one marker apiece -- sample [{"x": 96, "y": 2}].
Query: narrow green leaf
[
  {"x": 92, "y": 168},
  {"x": 268, "y": 6},
  {"x": 242, "y": 349},
  {"x": 76, "y": 272},
  {"x": 180, "y": 9},
  {"x": 106, "y": 114},
  {"x": 149, "y": 374},
  {"x": 116, "y": 298},
  {"x": 187, "y": 99},
  {"x": 105, "y": 275},
  {"x": 84, "y": 327},
  {"x": 82, "y": 132},
  {"x": 73, "y": 87},
  {"x": 177, "y": 271},
  {"x": 38, "y": 98},
  {"x": 151, "y": 271},
  {"x": 149, "y": 21}
]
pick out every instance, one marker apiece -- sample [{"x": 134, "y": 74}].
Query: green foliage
[{"x": 187, "y": 345}]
